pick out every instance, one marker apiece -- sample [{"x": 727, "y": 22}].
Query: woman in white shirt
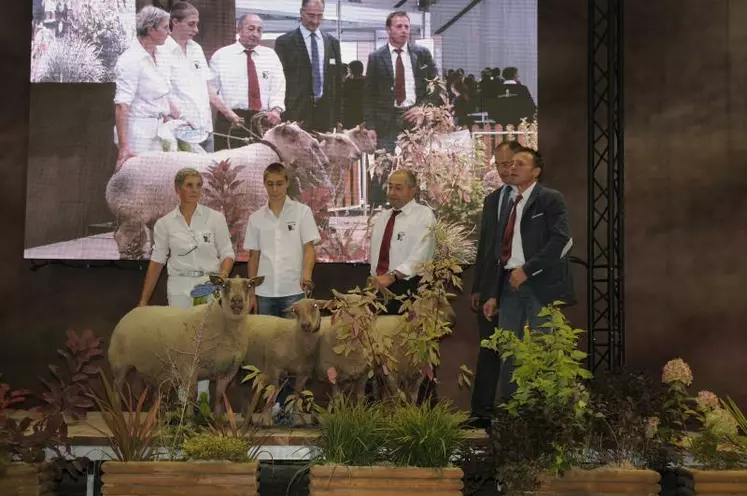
[
  {"x": 192, "y": 241},
  {"x": 141, "y": 100},
  {"x": 189, "y": 74}
]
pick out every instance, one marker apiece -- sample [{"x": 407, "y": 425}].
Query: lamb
[
  {"x": 169, "y": 345},
  {"x": 392, "y": 332},
  {"x": 142, "y": 190},
  {"x": 278, "y": 346}
]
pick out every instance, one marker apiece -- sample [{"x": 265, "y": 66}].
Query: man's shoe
[{"x": 477, "y": 423}]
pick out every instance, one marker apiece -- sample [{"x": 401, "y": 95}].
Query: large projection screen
[{"x": 76, "y": 45}]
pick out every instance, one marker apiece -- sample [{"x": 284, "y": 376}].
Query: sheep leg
[
  {"x": 222, "y": 381},
  {"x": 359, "y": 388}
]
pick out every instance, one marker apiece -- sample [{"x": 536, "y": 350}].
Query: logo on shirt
[
  {"x": 400, "y": 236},
  {"x": 206, "y": 237},
  {"x": 291, "y": 226},
  {"x": 265, "y": 74}
]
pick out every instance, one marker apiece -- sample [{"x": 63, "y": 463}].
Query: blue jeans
[
  {"x": 276, "y": 305},
  {"x": 516, "y": 308}
]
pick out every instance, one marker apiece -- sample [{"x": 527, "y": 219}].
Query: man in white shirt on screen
[
  {"x": 249, "y": 77},
  {"x": 401, "y": 238}
]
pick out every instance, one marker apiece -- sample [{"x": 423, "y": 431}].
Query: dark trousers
[
  {"x": 315, "y": 115},
  {"x": 387, "y": 139},
  {"x": 223, "y": 126},
  {"x": 488, "y": 369}
]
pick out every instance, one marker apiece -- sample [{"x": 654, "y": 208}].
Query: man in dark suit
[
  {"x": 313, "y": 71},
  {"x": 396, "y": 82},
  {"x": 512, "y": 100},
  {"x": 532, "y": 264},
  {"x": 486, "y": 268}
]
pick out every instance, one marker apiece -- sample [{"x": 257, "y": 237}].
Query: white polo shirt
[
  {"x": 229, "y": 75},
  {"x": 280, "y": 241},
  {"x": 200, "y": 246},
  {"x": 412, "y": 242},
  {"x": 189, "y": 73}
]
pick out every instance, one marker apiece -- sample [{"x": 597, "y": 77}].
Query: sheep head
[
  {"x": 234, "y": 295},
  {"x": 338, "y": 147},
  {"x": 307, "y": 313}
]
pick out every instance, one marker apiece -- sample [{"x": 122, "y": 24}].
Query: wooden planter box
[
  {"x": 719, "y": 482},
  {"x": 602, "y": 482},
  {"x": 179, "y": 478},
  {"x": 340, "y": 480},
  {"x": 28, "y": 479}
]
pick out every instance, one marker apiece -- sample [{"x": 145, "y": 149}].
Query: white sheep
[
  {"x": 350, "y": 371},
  {"x": 278, "y": 347},
  {"x": 181, "y": 346}
]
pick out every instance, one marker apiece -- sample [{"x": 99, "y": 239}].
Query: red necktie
[
  {"x": 255, "y": 102},
  {"x": 386, "y": 241},
  {"x": 508, "y": 233},
  {"x": 399, "y": 78}
]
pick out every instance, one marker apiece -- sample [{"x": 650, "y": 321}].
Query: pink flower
[
  {"x": 677, "y": 371},
  {"x": 707, "y": 400}
]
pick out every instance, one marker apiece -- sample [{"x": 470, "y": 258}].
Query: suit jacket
[
  {"x": 486, "y": 264},
  {"x": 545, "y": 232},
  {"x": 378, "y": 110},
  {"x": 294, "y": 56},
  {"x": 511, "y": 103}
]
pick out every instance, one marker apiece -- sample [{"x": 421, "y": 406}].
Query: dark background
[{"x": 686, "y": 123}]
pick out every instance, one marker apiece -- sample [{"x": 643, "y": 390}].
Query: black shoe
[{"x": 477, "y": 423}]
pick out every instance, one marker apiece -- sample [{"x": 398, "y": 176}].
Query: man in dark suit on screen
[
  {"x": 530, "y": 259},
  {"x": 396, "y": 81},
  {"x": 313, "y": 71}
]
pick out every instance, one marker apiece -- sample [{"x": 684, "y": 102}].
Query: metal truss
[{"x": 605, "y": 229}]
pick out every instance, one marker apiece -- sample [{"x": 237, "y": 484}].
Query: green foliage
[
  {"x": 543, "y": 428},
  {"x": 425, "y": 435},
  {"x": 211, "y": 446},
  {"x": 133, "y": 432},
  {"x": 549, "y": 365},
  {"x": 351, "y": 433}
]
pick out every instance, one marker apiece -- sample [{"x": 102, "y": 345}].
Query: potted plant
[
  {"x": 711, "y": 433},
  {"x": 153, "y": 457},
  {"x": 549, "y": 438},
  {"x": 387, "y": 447}
]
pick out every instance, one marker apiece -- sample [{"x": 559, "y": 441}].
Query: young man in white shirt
[
  {"x": 280, "y": 239},
  {"x": 401, "y": 238},
  {"x": 249, "y": 77}
]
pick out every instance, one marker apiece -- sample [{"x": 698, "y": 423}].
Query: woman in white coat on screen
[
  {"x": 142, "y": 102},
  {"x": 189, "y": 74}
]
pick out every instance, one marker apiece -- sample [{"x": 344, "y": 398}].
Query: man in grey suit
[
  {"x": 313, "y": 71},
  {"x": 396, "y": 81},
  {"x": 532, "y": 265}
]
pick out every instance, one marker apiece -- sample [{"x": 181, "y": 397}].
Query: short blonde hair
[
  {"x": 275, "y": 168},
  {"x": 183, "y": 174}
]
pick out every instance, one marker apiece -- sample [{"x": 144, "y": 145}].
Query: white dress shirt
[
  {"x": 230, "y": 77},
  {"x": 320, "y": 48},
  {"x": 196, "y": 247},
  {"x": 280, "y": 240},
  {"x": 410, "y": 95},
  {"x": 412, "y": 242},
  {"x": 143, "y": 85},
  {"x": 517, "y": 249},
  {"x": 189, "y": 73}
]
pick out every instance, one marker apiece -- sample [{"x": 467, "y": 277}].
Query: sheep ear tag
[{"x": 203, "y": 290}]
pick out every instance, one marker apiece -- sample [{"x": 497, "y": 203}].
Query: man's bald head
[{"x": 249, "y": 28}]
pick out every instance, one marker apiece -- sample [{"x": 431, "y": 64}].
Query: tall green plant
[
  {"x": 133, "y": 433},
  {"x": 424, "y": 435},
  {"x": 351, "y": 433}
]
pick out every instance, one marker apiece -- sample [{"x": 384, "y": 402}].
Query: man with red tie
[
  {"x": 249, "y": 77},
  {"x": 531, "y": 255},
  {"x": 401, "y": 239},
  {"x": 397, "y": 77}
]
